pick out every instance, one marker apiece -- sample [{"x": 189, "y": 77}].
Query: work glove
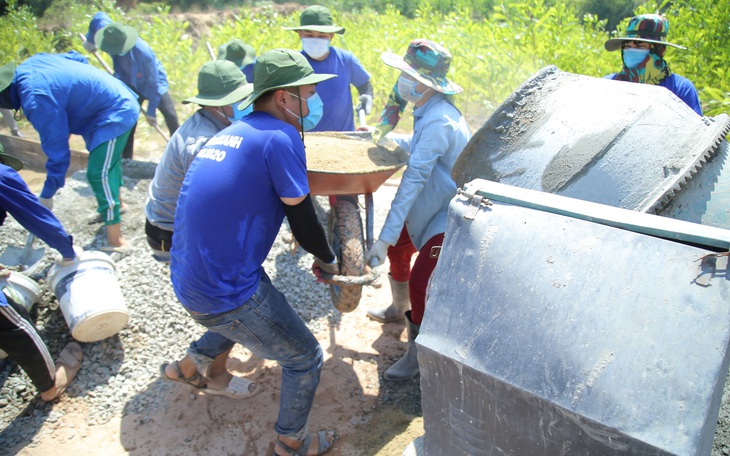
[
  {"x": 152, "y": 120},
  {"x": 366, "y": 103},
  {"x": 320, "y": 268},
  {"x": 78, "y": 251},
  {"x": 47, "y": 203},
  {"x": 377, "y": 253},
  {"x": 89, "y": 45}
]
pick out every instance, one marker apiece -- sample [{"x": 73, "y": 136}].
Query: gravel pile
[{"x": 116, "y": 372}]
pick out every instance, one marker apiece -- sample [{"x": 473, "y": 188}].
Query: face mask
[
  {"x": 633, "y": 57},
  {"x": 407, "y": 90},
  {"x": 238, "y": 114},
  {"x": 315, "y": 112},
  {"x": 316, "y": 48}
]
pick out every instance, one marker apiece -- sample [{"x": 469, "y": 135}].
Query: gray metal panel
[{"x": 545, "y": 334}]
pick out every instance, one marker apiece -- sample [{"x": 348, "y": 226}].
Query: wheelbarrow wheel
[{"x": 346, "y": 237}]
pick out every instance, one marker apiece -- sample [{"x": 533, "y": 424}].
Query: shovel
[{"x": 27, "y": 258}]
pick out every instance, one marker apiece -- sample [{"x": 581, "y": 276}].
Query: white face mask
[
  {"x": 407, "y": 90},
  {"x": 316, "y": 48}
]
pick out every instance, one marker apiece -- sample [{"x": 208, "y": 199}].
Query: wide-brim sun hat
[
  {"x": 317, "y": 19},
  {"x": 220, "y": 83},
  {"x": 281, "y": 68},
  {"x": 7, "y": 73},
  {"x": 649, "y": 28},
  {"x": 238, "y": 52},
  {"x": 9, "y": 160},
  {"x": 428, "y": 63},
  {"x": 116, "y": 38}
]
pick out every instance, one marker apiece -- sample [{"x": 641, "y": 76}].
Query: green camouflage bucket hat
[
  {"x": 317, "y": 19},
  {"x": 427, "y": 62},
  {"x": 238, "y": 52},
  {"x": 7, "y": 73},
  {"x": 220, "y": 83},
  {"x": 650, "y": 28},
  {"x": 116, "y": 38},
  {"x": 281, "y": 68}
]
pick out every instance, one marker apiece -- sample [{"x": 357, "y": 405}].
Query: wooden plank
[{"x": 31, "y": 154}]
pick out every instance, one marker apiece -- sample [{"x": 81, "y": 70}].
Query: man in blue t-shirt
[
  {"x": 642, "y": 55},
  {"x": 231, "y": 206},
  {"x": 316, "y": 32}
]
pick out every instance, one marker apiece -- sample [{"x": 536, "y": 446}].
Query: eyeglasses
[{"x": 637, "y": 44}]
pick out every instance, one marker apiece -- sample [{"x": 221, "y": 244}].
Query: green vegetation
[{"x": 491, "y": 56}]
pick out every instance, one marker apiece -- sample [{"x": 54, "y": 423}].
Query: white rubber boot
[
  {"x": 407, "y": 366},
  {"x": 396, "y": 310}
]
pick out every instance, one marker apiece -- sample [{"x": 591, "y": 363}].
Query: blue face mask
[
  {"x": 633, "y": 57},
  {"x": 407, "y": 90},
  {"x": 238, "y": 114},
  {"x": 315, "y": 112}
]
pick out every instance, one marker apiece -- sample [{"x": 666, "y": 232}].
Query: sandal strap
[{"x": 301, "y": 451}]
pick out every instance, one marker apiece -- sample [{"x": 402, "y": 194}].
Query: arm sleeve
[
  {"x": 433, "y": 143},
  {"x": 51, "y": 122},
  {"x": 366, "y": 88},
  {"x": 17, "y": 199},
  {"x": 308, "y": 230}
]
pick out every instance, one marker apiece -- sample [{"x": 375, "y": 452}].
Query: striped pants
[
  {"x": 104, "y": 173},
  {"x": 21, "y": 341}
]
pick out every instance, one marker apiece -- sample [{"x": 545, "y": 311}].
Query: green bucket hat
[
  {"x": 116, "y": 38},
  {"x": 650, "y": 28},
  {"x": 427, "y": 62},
  {"x": 238, "y": 52},
  {"x": 280, "y": 68},
  {"x": 317, "y": 19},
  {"x": 9, "y": 160},
  {"x": 7, "y": 73},
  {"x": 220, "y": 83}
]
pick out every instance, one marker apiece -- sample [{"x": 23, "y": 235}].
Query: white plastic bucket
[
  {"x": 22, "y": 289},
  {"x": 89, "y": 296}
]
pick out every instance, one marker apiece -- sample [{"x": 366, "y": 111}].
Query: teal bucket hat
[
  {"x": 7, "y": 73},
  {"x": 650, "y": 28},
  {"x": 427, "y": 62},
  {"x": 238, "y": 52},
  {"x": 280, "y": 68},
  {"x": 220, "y": 83},
  {"x": 317, "y": 19},
  {"x": 116, "y": 38}
]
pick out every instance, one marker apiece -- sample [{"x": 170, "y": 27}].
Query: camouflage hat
[
  {"x": 281, "y": 68},
  {"x": 650, "y": 28},
  {"x": 317, "y": 19},
  {"x": 7, "y": 73},
  {"x": 427, "y": 62},
  {"x": 238, "y": 52},
  {"x": 116, "y": 38}
]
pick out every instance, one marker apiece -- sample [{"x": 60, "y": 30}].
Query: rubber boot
[
  {"x": 395, "y": 311},
  {"x": 407, "y": 366}
]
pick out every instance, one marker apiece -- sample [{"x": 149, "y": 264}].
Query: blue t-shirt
[
  {"x": 681, "y": 87},
  {"x": 335, "y": 93},
  {"x": 229, "y": 211}
]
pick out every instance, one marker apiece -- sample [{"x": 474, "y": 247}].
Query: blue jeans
[{"x": 268, "y": 326}]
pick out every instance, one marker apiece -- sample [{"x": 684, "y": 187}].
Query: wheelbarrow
[{"x": 349, "y": 164}]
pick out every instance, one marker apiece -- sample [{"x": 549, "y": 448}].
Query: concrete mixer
[{"x": 581, "y": 301}]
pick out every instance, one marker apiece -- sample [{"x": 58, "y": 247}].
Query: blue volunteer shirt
[
  {"x": 681, "y": 87},
  {"x": 139, "y": 68},
  {"x": 229, "y": 211},
  {"x": 335, "y": 93},
  {"x": 17, "y": 200},
  {"x": 61, "y": 96}
]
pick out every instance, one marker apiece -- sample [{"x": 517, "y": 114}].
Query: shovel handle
[{"x": 361, "y": 117}]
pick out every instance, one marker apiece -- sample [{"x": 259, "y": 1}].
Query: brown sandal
[{"x": 196, "y": 380}]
